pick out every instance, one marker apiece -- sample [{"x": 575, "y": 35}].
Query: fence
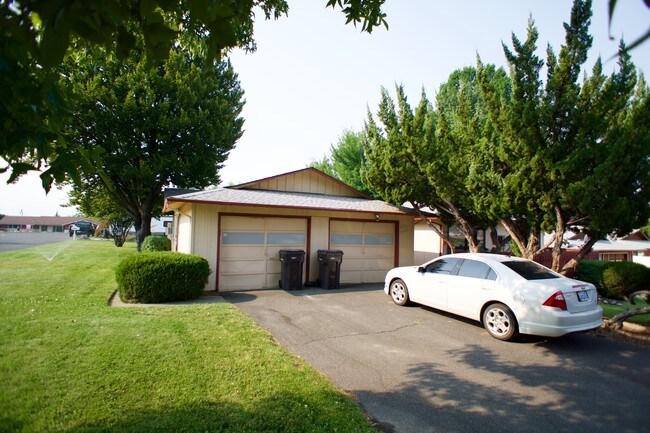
[{"x": 545, "y": 258}]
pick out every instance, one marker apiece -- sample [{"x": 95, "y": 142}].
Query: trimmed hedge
[
  {"x": 161, "y": 277},
  {"x": 156, "y": 243},
  {"x": 623, "y": 278},
  {"x": 614, "y": 279}
]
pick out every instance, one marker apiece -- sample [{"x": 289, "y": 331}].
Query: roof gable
[{"x": 308, "y": 180}]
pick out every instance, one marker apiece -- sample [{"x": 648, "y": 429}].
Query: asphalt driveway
[{"x": 417, "y": 370}]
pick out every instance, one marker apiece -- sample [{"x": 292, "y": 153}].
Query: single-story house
[
  {"x": 16, "y": 223},
  {"x": 241, "y": 229},
  {"x": 634, "y": 247}
]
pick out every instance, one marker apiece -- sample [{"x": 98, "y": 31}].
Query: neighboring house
[
  {"x": 241, "y": 229},
  {"x": 428, "y": 244},
  {"x": 11, "y": 223},
  {"x": 634, "y": 247}
]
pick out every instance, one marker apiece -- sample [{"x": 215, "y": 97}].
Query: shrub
[
  {"x": 614, "y": 279},
  {"x": 161, "y": 277},
  {"x": 622, "y": 278},
  {"x": 591, "y": 271},
  {"x": 156, "y": 243}
]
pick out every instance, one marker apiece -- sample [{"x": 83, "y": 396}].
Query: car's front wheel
[
  {"x": 399, "y": 292},
  {"x": 500, "y": 322}
]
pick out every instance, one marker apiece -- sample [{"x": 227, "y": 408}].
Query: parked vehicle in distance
[
  {"x": 508, "y": 295},
  {"x": 83, "y": 228}
]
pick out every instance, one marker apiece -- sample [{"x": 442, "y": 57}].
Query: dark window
[
  {"x": 474, "y": 269},
  {"x": 442, "y": 266},
  {"x": 530, "y": 270}
]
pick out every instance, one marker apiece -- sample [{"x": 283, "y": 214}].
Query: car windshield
[{"x": 530, "y": 270}]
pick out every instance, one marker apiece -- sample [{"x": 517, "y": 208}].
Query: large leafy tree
[
  {"x": 145, "y": 128},
  {"x": 347, "y": 160},
  {"x": 35, "y": 35}
]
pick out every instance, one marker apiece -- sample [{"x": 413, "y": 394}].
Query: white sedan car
[{"x": 508, "y": 295}]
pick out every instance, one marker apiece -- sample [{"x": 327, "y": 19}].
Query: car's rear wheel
[
  {"x": 399, "y": 292},
  {"x": 500, "y": 322}
]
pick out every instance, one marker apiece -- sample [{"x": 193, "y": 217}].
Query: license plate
[{"x": 583, "y": 296}]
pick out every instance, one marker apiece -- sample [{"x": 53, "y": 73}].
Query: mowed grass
[
  {"x": 70, "y": 363},
  {"x": 612, "y": 310}
]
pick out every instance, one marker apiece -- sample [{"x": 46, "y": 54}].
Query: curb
[{"x": 206, "y": 298}]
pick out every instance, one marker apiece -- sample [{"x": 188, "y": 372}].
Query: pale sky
[{"x": 312, "y": 76}]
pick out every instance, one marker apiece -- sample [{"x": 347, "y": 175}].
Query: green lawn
[
  {"x": 70, "y": 363},
  {"x": 613, "y": 310}
]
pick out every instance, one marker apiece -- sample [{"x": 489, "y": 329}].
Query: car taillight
[{"x": 556, "y": 301}]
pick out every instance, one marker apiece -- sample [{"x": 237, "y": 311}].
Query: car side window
[
  {"x": 474, "y": 269},
  {"x": 491, "y": 275},
  {"x": 442, "y": 266}
]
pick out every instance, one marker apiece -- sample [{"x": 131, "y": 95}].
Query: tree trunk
[
  {"x": 584, "y": 250},
  {"x": 558, "y": 237},
  {"x": 433, "y": 227},
  {"x": 497, "y": 247},
  {"x": 617, "y": 321},
  {"x": 467, "y": 228},
  {"x": 527, "y": 246},
  {"x": 145, "y": 228}
]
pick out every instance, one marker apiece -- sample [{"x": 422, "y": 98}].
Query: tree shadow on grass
[
  {"x": 284, "y": 412},
  {"x": 488, "y": 393}
]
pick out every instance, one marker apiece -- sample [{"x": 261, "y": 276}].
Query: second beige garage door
[
  {"x": 368, "y": 249},
  {"x": 249, "y": 249}
]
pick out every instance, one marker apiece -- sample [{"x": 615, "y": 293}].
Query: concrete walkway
[{"x": 208, "y": 297}]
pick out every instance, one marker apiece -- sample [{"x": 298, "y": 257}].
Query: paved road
[
  {"x": 10, "y": 241},
  {"x": 417, "y": 370}
]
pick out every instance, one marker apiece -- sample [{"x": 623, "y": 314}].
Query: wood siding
[{"x": 306, "y": 182}]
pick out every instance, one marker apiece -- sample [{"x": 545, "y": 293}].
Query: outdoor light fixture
[{"x": 377, "y": 216}]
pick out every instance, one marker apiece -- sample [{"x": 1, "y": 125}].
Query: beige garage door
[
  {"x": 368, "y": 249},
  {"x": 249, "y": 249}
]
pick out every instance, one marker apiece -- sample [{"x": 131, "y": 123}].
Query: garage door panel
[
  {"x": 273, "y": 266},
  {"x": 379, "y": 252},
  {"x": 346, "y": 227},
  {"x": 349, "y": 253},
  {"x": 243, "y": 224},
  {"x": 250, "y": 248},
  {"x": 272, "y": 280},
  {"x": 243, "y": 267},
  {"x": 286, "y": 224},
  {"x": 374, "y": 276},
  {"x": 242, "y": 253},
  {"x": 368, "y": 249},
  {"x": 380, "y": 228},
  {"x": 350, "y": 263},
  {"x": 242, "y": 281},
  {"x": 350, "y": 277},
  {"x": 377, "y": 264}
]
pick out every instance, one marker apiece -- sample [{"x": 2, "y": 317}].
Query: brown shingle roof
[
  {"x": 294, "y": 200},
  {"x": 41, "y": 220}
]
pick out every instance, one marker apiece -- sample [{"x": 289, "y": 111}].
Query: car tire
[
  {"x": 399, "y": 293},
  {"x": 500, "y": 322}
]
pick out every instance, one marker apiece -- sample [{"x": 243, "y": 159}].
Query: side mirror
[{"x": 421, "y": 269}]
